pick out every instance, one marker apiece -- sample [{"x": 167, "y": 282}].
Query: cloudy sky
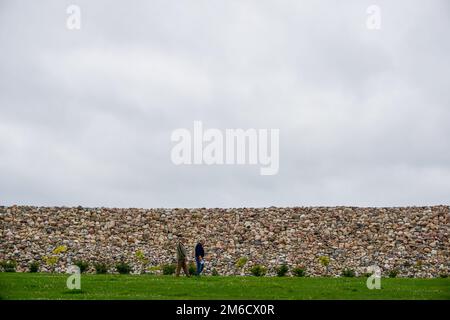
[{"x": 86, "y": 115}]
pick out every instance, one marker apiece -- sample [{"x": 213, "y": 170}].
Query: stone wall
[{"x": 414, "y": 240}]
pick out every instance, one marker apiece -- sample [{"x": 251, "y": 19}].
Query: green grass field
[{"x": 53, "y": 286}]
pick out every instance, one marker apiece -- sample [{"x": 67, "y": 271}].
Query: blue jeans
[{"x": 199, "y": 266}]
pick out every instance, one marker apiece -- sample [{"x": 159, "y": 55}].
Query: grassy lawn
[{"x": 53, "y": 286}]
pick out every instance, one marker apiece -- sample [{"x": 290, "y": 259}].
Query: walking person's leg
[
  {"x": 179, "y": 264},
  {"x": 185, "y": 268},
  {"x": 199, "y": 266},
  {"x": 202, "y": 265}
]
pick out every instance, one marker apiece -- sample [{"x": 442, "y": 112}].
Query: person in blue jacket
[{"x": 200, "y": 256}]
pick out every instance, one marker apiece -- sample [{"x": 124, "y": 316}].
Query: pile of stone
[{"x": 412, "y": 240}]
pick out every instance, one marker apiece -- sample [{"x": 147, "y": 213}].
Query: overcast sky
[{"x": 86, "y": 115}]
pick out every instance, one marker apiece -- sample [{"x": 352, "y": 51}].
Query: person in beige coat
[{"x": 181, "y": 257}]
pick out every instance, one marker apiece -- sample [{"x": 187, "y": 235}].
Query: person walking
[
  {"x": 181, "y": 257},
  {"x": 200, "y": 256}
]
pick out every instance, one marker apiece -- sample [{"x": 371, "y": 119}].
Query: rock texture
[{"x": 413, "y": 240}]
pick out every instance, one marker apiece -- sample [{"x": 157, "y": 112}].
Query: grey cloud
[{"x": 86, "y": 116}]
